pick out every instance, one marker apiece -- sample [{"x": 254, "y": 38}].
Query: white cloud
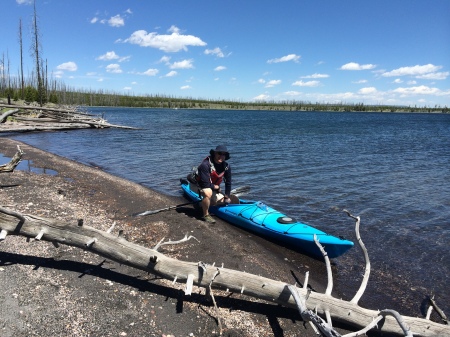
[
  {"x": 357, "y": 66},
  {"x": 111, "y": 55},
  {"x": 272, "y": 83},
  {"x": 168, "y": 43},
  {"x": 68, "y": 66},
  {"x": 216, "y": 51},
  {"x": 434, "y": 76},
  {"x": 412, "y": 71},
  {"x": 287, "y": 58},
  {"x": 128, "y": 11},
  {"x": 24, "y": 2},
  {"x": 171, "y": 74},
  {"x": 262, "y": 81},
  {"x": 185, "y": 64},
  {"x": 262, "y": 97},
  {"x": 116, "y": 21},
  {"x": 164, "y": 59},
  {"x": 397, "y": 81},
  {"x": 306, "y": 84},
  {"x": 127, "y": 88},
  {"x": 150, "y": 72},
  {"x": 367, "y": 91},
  {"x": 185, "y": 87},
  {"x": 94, "y": 19},
  {"x": 58, "y": 73},
  {"x": 360, "y": 82},
  {"x": 316, "y": 76},
  {"x": 292, "y": 93},
  {"x": 421, "y": 90},
  {"x": 220, "y": 68},
  {"x": 113, "y": 68}
]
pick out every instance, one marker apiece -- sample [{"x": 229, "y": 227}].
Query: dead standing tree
[{"x": 310, "y": 304}]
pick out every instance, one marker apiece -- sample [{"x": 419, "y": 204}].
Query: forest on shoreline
[{"x": 68, "y": 97}]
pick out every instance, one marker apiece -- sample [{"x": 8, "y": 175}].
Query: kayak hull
[{"x": 267, "y": 222}]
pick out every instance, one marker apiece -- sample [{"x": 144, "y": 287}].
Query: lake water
[{"x": 391, "y": 169}]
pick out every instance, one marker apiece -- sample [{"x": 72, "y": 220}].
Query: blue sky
[{"x": 354, "y": 51}]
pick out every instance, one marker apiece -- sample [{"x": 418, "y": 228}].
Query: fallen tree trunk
[
  {"x": 203, "y": 275},
  {"x": 7, "y": 113},
  {"x": 55, "y": 118}
]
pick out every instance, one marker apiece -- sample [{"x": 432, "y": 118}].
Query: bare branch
[
  {"x": 438, "y": 310},
  {"x": 328, "y": 264},
  {"x": 170, "y": 242},
  {"x": 398, "y": 317},
  {"x": 365, "y": 280},
  {"x": 310, "y": 316}
]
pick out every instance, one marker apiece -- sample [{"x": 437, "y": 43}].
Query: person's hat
[{"x": 221, "y": 148}]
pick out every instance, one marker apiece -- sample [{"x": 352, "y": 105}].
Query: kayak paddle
[{"x": 237, "y": 191}]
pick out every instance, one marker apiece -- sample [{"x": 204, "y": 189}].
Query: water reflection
[{"x": 28, "y": 166}]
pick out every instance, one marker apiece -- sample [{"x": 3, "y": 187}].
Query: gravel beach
[{"x": 65, "y": 291}]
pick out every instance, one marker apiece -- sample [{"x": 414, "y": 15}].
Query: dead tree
[
  {"x": 15, "y": 160},
  {"x": 313, "y": 305},
  {"x": 44, "y": 118}
]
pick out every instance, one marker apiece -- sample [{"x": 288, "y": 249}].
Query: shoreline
[{"x": 100, "y": 297}]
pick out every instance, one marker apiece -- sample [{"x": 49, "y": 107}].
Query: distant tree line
[{"x": 38, "y": 87}]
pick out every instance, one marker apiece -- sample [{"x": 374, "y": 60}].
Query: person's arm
[{"x": 227, "y": 178}]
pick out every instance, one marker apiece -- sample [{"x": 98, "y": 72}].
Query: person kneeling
[{"x": 211, "y": 172}]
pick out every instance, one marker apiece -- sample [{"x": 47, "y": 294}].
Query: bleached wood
[
  {"x": 6, "y": 114},
  {"x": 120, "y": 250},
  {"x": 365, "y": 280},
  {"x": 189, "y": 284},
  {"x": 12, "y": 164},
  {"x": 3, "y": 234},
  {"x": 170, "y": 242},
  {"x": 309, "y": 316},
  {"x": 438, "y": 310},
  {"x": 370, "y": 326},
  {"x": 40, "y": 234},
  {"x": 328, "y": 265}
]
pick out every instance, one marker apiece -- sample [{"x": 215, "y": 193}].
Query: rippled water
[{"x": 392, "y": 169}]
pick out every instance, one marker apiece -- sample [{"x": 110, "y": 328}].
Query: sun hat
[{"x": 221, "y": 148}]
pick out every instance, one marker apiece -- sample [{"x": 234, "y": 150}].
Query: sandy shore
[{"x": 69, "y": 292}]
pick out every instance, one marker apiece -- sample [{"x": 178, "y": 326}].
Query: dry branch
[
  {"x": 118, "y": 249},
  {"x": 15, "y": 160}
]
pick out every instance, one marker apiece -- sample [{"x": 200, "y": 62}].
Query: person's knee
[{"x": 207, "y": 193}]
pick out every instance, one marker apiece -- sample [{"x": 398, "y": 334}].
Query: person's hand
[{"x": 227, "y": 200}]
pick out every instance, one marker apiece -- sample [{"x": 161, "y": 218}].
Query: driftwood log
[
  {"x": 45, "y": 118},
  {"x": 116, "y": 248}
]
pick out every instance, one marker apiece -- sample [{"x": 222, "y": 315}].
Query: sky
[{"x": 394, "y": 52}]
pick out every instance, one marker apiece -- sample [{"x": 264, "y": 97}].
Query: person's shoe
[{"x": 208, "y": 218}]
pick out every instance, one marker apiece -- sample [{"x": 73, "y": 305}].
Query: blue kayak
[{"x": 270, "y": 223}]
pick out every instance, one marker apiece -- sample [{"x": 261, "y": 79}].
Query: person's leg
[{"x": 206, "y": 201}]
